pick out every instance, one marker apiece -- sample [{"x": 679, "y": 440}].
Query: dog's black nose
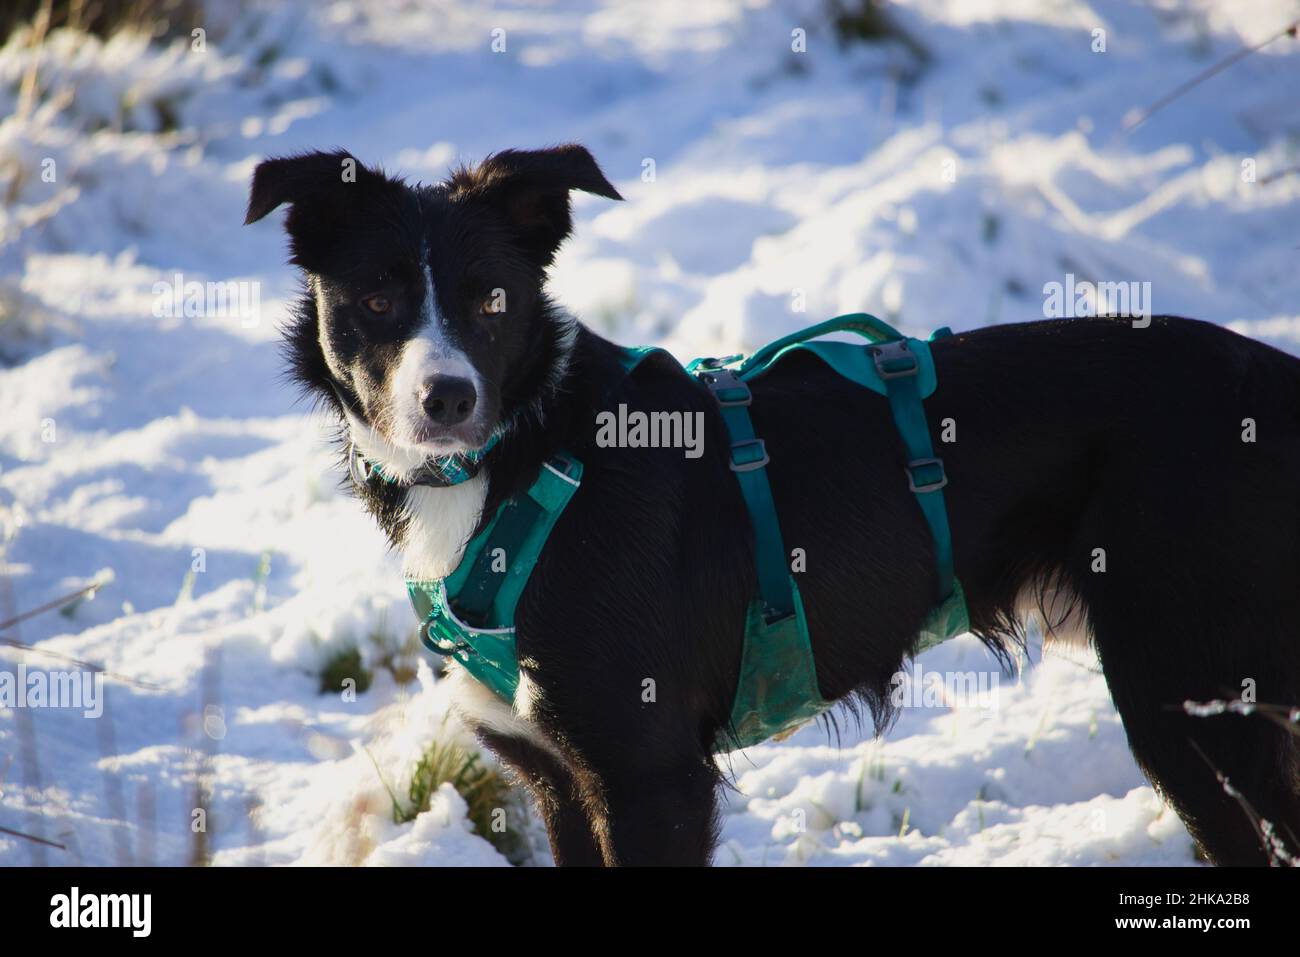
[{"x": 449, "y": 400}]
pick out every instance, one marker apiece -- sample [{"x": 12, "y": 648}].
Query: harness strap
[
  {"x": 748, "y": 457},
  {"x": 512, "y": 526},
  {"x": 898, "y": 368},
  {"x": 776, "y": 687},
  {"x": 485, "y": 592}
]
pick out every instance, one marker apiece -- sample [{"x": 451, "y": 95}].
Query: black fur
[{"x": 1071, "y": 435}]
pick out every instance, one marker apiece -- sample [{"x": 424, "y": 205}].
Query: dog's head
[{"x": 425, "y": 321}]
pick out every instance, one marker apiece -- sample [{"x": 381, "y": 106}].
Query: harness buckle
[
  {"x": 760, "y": 458},
  {"x": 360, "y": 469},
  {"x": 447, "y": 647},
  {"x": 711, "y": 362},
  {"x": 894, "y": 360},
  {"x": 921, "y": 487},
  {"x": 566, "y": 466},
  {"x": 774, "y": 616},
  {"x": 728, "y": 388}
]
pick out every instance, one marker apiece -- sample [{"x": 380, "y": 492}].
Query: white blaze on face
[{"x": 429, "y": 353}]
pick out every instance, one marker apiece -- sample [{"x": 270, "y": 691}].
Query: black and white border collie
[{"x": 425, "y": 326}]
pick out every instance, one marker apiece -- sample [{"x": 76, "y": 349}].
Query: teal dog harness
[{"x": 469, "y": 615}]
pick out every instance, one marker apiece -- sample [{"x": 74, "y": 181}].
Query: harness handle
[{"x": 864, "y": 324}]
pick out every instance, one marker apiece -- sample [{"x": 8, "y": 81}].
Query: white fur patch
[
  {"x": 480, "y": 707},
  {"x": 441, "y": 521},
  {"x": 1061, "y": 615},
  {"x": 526, "y": 696},
  {"x": 424, "y": 356}
]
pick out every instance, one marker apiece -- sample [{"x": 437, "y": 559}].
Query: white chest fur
[{"x": 440, "y": 523}]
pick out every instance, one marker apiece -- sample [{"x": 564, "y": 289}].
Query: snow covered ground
[{"x": 164, "y": 449}]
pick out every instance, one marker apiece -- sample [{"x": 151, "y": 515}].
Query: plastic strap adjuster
[
  {"x": 774, "y": 616},
  {"x": 760, "y": 459},
  {"x": 921, "y": 487},
  {"x": 728, "y": 388},
  {"x": 894, "y": 360}
]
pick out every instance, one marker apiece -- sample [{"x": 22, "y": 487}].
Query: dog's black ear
[
  {"x": 302, "y": 178},
  {"x": 530, "y": 188},
  {"x": 326, "y": 193}
]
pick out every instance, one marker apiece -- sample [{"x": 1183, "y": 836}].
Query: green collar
[{"x": 438, "y": 472}]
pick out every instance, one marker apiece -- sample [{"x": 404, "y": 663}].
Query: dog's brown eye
[
  {"x": 493, "y": 305},
  {"x": 378, "y": 304}
]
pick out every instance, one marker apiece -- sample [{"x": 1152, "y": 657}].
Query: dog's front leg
[
  {"x": 557, "y": 793},
  {"x": 658, "y": 816},
  {"x": 618, "y": 813}
]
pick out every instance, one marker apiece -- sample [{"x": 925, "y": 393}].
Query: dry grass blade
[
  {"x": 1265, "y": 830},
  {"x": 88, "y": 590},
  {"x": 1134, "y": 121},
  {"x": 80, "y": 662},
  {"x": 40, "y": 27},
  {"x": 31, "y": 837}
]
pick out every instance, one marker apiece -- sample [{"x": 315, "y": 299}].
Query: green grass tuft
[
  {"x": 495, "y": 808},
  {"x": 344, "y": 665},
  {"x": 868, "y": 21}
]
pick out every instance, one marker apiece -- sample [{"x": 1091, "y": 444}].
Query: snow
[{"x": 166, "y": 452}]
